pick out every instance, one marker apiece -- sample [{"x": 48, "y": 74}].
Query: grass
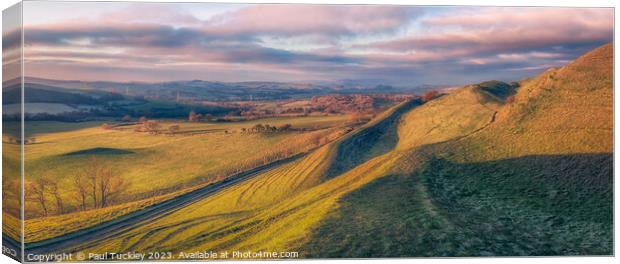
[
  {"x": 48, "y": 227},
  {"x": 247, "y": 217},
  {"x": 34, "y": 128},
  {"x": 11, "y": 182},
  {"x": 270, "y": 211},
  {"x": 158, "y": 164},
  {"x": 395, "y": 219},
  {"x": 463, "y": 112},
  {"x": 378, "y": 137},
  {"x": 150, "y": 161},
  {"x": 11, "y": 226},
  {"x": 537, "y": 180},
  {"x": 479, "y": 209},
  {"x": 468, "y": 174},
  {"x": 567, "y": 212},
  {"x": 99, "y": 151}
]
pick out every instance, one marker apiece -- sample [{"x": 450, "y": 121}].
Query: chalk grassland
[
  {"x": 487, "y": 170},
  {"x": 463, "y": 112},
  {"x": 535, "y": 180},
  {"x": 156, "y": 167}
]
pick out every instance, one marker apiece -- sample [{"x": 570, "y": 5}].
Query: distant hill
[
  {"x": 47, "y": 102},
  {"x": 197, "y": 90},
  {"x": 73, "y": 100}
]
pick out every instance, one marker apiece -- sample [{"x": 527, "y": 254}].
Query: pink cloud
[
  {"x": 150, "y": 12},
  {"x": 460, "y": 39},
  {"x": 309, "y": 19},
  {"x": 507, "y": 29}
]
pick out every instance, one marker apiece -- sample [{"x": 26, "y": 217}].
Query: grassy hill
[
  {"x": 461, "y": 113},
  {"x": 535, "y": 180}
]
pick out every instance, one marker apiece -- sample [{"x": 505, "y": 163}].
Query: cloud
[
  {"x": 407, "y": 45},
  {"x": 132, "y": 35},
  {"x": 284, "y": 19},
  {"x": 491, "y": 31},
  {"x": 148, "y": 25}
]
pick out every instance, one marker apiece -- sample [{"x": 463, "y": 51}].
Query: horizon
[
  {"x": 311, "y": 82},
  {"x": 400, "y": 45}
]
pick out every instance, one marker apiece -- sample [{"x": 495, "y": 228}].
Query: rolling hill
[
  {"x": 490, "y": 169},
  {"x": 201, "y": 90},
  {"x": 48, "y": 102},
  {"x": 531, "y": 175}
]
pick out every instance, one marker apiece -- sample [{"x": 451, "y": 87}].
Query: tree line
[
  {"x": 95, "y": 186},
  {"x": 260, "y": 128}
]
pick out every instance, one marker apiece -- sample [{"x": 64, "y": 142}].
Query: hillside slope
[
  {"x": 565, "y": 110},
  {"x": 274, "y": 210},
  {"x": 463, "y": 112},
  {"x": 535, "y": 180}
]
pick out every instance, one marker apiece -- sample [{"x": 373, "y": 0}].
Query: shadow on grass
[
  {"x": 99, "y": 151},
  {"x": 528, "y": 206},
  {"x": 369, "y": 143}
]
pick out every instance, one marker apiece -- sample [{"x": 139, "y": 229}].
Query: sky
[{"x": 397, "y": 45}]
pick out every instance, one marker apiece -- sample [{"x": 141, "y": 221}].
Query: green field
[{"x": 154, "y": 165}]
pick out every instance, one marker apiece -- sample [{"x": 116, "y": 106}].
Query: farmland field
[{"x": 154, "y": 165}]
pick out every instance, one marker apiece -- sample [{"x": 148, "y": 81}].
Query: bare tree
[
  {"x": 91, "y": 176},
  {"x": 35, "y": 191},
  {"x": 116, "y": 186},
  {"x": 110, "y": 186},
  {"x": 92, "y": 181},
  {"x": 102, "y": 184},
  {"x": 81, "y": 189},
  {"x": 53, "y": 187},
  {"x": 104, "y": 179}
]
